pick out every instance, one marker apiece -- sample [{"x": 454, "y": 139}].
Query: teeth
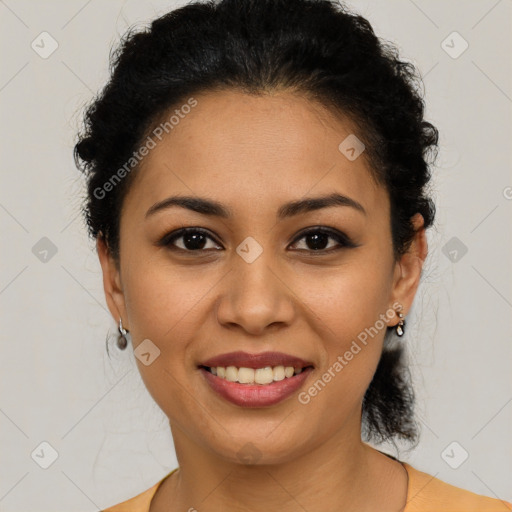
[
  {"x": 246, "y": 375},
  {"x": 264, "y": 375},
  {"x": 232, "y": 373},
  {"x": 278, "y": 373},
  {"x": 261, "y": 376}
]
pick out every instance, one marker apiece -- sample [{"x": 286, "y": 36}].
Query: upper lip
[{"x": 244, "y": 359}]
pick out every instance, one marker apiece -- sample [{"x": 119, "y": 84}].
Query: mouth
[
  {"x": 259, "y": 376},
  {"x": 262, "y": 369},
  {"x": 255, "y": 380}
]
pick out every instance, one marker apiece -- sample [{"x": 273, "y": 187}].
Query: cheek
[
  {"x": 163, "y": 301},
  {"x": 349, "y": 310},
  {"x": 164, "y": 304},
  {"x": 348, "y": 299}
]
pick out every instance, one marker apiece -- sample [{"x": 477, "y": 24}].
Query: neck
[{"x": 341, "y": 470}]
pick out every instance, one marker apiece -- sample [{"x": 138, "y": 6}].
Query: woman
[{"x": 257, "y": 174}]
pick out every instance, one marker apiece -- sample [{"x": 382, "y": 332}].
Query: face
[{"x": 304, "y": 282}]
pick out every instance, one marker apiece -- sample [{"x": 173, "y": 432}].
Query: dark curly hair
[{"x": 315, "y": 48}]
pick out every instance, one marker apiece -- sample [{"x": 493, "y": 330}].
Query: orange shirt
[{"x": 425, "y": 493}]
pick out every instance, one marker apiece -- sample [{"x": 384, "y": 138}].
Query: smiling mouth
[{"x": 261, "y": 376}]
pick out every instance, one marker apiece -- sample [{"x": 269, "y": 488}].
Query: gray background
[{"x": 57, "y": 383}]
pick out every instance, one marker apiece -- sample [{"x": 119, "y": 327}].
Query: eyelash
[{"x": 343, "y": 240}]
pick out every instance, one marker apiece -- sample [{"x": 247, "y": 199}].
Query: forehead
[{"x": 241, "y": 148}]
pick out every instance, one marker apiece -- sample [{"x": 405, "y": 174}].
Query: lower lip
[{"x": 256, "y": 395}]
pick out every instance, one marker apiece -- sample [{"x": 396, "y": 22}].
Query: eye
[
  {"x": 194, "y": 239},
  {"x": 317, "y": 240}
]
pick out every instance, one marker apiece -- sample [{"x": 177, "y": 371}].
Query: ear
[
  {"x": 112, "y": 283},
  {"x": 408, "y": 268}
]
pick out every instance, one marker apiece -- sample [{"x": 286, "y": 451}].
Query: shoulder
[
  {"x": 429, "y": 494},
  {"x": 425, "y": 494},
  {"x": 139, "y": 503}
]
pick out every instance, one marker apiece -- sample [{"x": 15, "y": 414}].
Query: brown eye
[
  {"x": 317, "y": 240},
  {"x": 194, "y": 239}
]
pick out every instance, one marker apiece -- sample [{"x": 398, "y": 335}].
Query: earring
[
  {"x": 122, "y": 342},
  {"x": 401, "y": 324}
]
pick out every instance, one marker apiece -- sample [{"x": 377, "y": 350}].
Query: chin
[{"x": 252, "y": 447}]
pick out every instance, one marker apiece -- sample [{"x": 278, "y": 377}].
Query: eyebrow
[{"x": 214, "y": 208}]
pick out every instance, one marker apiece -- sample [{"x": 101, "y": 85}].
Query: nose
[{"x": 255, "y": 296}]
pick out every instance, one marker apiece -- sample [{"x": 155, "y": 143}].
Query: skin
[{"x": 253, "y": 154}]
